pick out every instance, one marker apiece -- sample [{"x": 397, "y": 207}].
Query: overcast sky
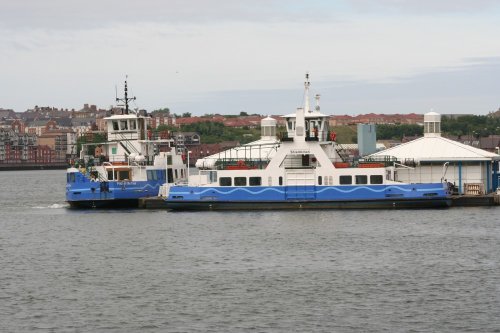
[{"x": 227, "y": 56}]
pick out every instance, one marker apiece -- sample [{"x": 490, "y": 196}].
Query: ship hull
[
  {"x": 83, "y": 193},
  {"x": 300, "y": 204},
  {"x": 308, "y": 197}
]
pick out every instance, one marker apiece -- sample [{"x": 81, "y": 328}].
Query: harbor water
[{"x": 65, "y": 270}]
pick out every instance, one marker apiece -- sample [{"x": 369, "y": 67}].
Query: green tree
[{"x": 163, "y": 110}]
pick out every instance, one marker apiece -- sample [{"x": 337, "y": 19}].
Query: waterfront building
[{"x": 433, "y": 157}]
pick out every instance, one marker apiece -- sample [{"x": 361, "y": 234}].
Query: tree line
[{"x": 467, "y": 125}]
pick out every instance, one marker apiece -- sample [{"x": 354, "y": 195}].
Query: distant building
[{"x": 186, "y": 139}]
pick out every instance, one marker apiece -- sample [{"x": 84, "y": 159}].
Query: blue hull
[
  {"x": 88, "y": 194},
  {"x": 303, "y": 197}
]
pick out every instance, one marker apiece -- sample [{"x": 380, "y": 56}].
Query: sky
[{"x": 228, "y": 56}]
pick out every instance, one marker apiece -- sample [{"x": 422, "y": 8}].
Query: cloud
[
  {"x": 63, "y": 14},
  {"x": 424, "y": 6},
  {"x": 470, "y": 89}
]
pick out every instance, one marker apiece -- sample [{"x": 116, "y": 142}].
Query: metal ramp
[{"x": 300, "y": 184}]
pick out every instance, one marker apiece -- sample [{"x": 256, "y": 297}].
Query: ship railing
[
  {"x": 125, "y": 143},
  {"x": 250, "y": 155},
  {"x": 387, "y": 160}
]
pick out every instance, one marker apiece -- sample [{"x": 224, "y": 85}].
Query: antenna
[{"x": 126, "y": 99}]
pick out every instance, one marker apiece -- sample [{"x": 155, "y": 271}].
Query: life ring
[{"x": 333, "y": 136}]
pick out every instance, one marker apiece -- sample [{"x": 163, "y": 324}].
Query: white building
[{"x": 432, "y": 158}]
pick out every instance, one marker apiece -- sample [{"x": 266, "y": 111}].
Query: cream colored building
[{"x": 433, "y": 158}]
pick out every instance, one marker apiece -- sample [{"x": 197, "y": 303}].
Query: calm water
[{"x": 319, "y": 271}]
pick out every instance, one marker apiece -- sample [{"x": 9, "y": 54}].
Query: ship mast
[
  {"x": 126, "y": 99},
  {"x": 307, "y": 83}
]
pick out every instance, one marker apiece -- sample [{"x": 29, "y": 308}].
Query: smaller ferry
[
  {"x": 129, "y": 165},
  {"x": 304, "y": 168}
]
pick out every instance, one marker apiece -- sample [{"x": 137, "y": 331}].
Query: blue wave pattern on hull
[{"x": 319, "y": 193}]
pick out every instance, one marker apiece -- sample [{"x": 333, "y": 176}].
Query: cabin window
[
  {"x": 169, "y": 160},
  {"x": 280, "y": 180},
  {"x": 376, "y": 179},
  {"x": 110, "y": 175},
  {"x": 71, "y": 177},
  {"x": 225, "y": 181},
  {"x": 170, "y": 176},
  {"x": 123, "y": 175},
  {"x": 320, "y": 180},
  {"x": 113, "y": 150},
  {"x": 123, "y": 125},
  {"x": 176, "y": 174},
  {"x": 161, "y": 174},
  {"x": 240, "y": 181},
  {"x": 345, "y": 180},
  {"x": 133, "y": 125},
  {"x": 182, "y": 173},
  {"x": 255, "y": 181},
  {"x": 152, "y": 175},
  {"x": 115, "y": 125},
  {"x": 361, "y": 179}
]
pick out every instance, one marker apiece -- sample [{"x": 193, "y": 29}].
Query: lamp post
[{"x": 188, "y": 165}]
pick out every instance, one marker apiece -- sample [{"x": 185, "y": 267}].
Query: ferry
[
  {"x": 129, "y": 165},
  {"x": 304, "y": 169}
]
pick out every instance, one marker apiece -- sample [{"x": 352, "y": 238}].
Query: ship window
[
  {"x": 361, "y": 179},
  {"x": 182, "y": 173},
  {"x": 170, "y": 176},
  {"x": 123, "y": 125},
  {"x": 320, "y": 180},
  {"x": 123, "y": 175},
  {"x": 345, "y": 180},
  {"x": 255, "y": 181},
  {"x": 72, "y": 177},
  {"x": 115, "y": 125},
  {"x": 133, "y": 125},
  {"x": 169, "y": 160},
  {"x": 149, "y": 174},
  {"x": 110, "y": 175},
  {"x": 240, "y": 181},
  {"x": 376, "y": 179},
  {"x": 176, "y": 174},
  {"x": 280, "y": 180},
  {"x": 225, "y": 181}
]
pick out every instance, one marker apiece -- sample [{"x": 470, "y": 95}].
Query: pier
[{"x": 491, "y": 199}]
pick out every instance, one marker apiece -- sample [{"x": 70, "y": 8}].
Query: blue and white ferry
[
  {"x": 303, "y": 169},
  {"x": 128, "y": 166}
]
